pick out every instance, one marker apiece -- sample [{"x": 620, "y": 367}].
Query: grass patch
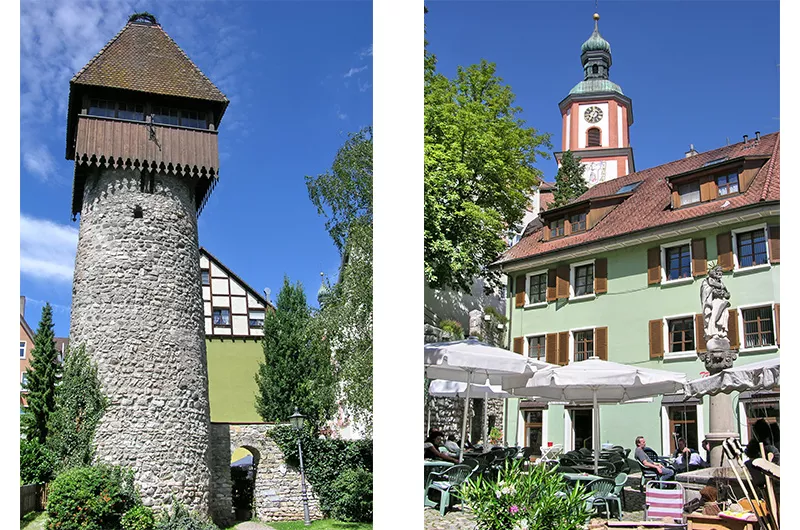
[
  {"x": 323, "y": 524},
  {"x": 33, "y": 521}
]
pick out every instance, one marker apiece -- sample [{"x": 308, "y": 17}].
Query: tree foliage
[
  {"x": 479, "y": 172},
  {"x": 80, "y": 405},
  {"x": 296, "y": 371},
  {"x": 344, "y": 196},
  {"x": 41, "y": 379},
  {"x": 570, "y": 183}
]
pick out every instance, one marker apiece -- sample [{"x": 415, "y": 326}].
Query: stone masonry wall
[
  {"x": 278, "y": 490},
  {"x": 137, "y": 308}
]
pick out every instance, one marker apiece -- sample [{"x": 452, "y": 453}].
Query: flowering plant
[{"x": 525, "y": 500}]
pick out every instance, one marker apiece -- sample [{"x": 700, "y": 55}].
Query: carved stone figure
[{"x": 714, "y": 297}]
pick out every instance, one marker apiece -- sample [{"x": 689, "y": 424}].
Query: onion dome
[
  {"x": 324, "y": 292},
  {"x": 595, "y": 42}
]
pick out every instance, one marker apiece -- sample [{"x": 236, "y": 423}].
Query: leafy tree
[
  {"x": 344, "y": 322},
  {"x": 479, "y": 172},
  {"x": 296, "y": 371},
  {"x": 35, "y": 462},
  {"x": 570, "y": 183},
  {"x": 80, "y": 404},
  {"x": 42, "y": 378}
]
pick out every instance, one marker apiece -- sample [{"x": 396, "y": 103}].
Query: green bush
[
  {"x": 180, "y": 518},
  {"x": 453, "y": 327},
  {"x": 325, "y": 459},
  {"x": 519, "y": 501},
  {"x": 90, "y": 498},
  {"x": 36, "y": 462},
  {"x": 354, "y": 501},
  {"x": 138, "y": 518}
]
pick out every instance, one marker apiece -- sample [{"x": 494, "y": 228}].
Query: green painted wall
[
  {"x": 232, "y": 365},
  {"x": 626, "y": 309}
]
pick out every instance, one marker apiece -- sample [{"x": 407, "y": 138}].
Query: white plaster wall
[
  {"x": 206, "y": 293},
  {"x": 221, "y": 301},
  {"x": 203, "y": 262},
  {"x": 236, "y": 288},
  {"x": 583, "y": 125},
  {"x": 569, "y": 127},
  {"x": 222, "y": 331},
  {"x": 216, "y": 272},
  {"x": 253, "y": 302},
  {"x": 208, "y": 325},
  {"x": 240, "y": 325},
  {"x": 219, "y": 285},
  {"x": 619, "y": 126},
  {"x": 238, "y": 304},
  {"x": 599, "y": 171},
  {"x": 207, "y": 308}
]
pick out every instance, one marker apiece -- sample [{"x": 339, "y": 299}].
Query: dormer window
[
  {"x": 727, "y": 184},
  {"x": 577, "y": 222},
  {"x": 557, "y": 228},
  {"x": 689, "y": 193},
  {"x": 593, "y": 137}
]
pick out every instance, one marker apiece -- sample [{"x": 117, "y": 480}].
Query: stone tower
[
  {"x": 142, "y": 130},
  {"x": 596, "y": 116}
]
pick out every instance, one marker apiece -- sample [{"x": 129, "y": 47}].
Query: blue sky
[
  {"x": 299, "y": 78},
  {"x": 697, "y": 72}
]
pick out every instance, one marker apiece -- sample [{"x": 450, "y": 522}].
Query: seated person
[
  {"x": 686, "y": 456},
  {"x": 452, "y": 445},
  {"x": 664, "y": 473},
  {"x": 768, "y": 435},
  {"x": 432, "y": 444}
]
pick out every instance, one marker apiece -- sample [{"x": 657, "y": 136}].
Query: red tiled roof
[
  {"x": 649, "y": 205},
  {"x": 144, "y": 58}
]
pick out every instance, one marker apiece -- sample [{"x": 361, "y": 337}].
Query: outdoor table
[
  {"x": 433, "y": 465},
  {"x": 577, "y": 478},
  {"x": 584, "y": 468}
]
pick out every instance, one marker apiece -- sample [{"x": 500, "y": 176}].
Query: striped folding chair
[{"x": 663, "y": 499}]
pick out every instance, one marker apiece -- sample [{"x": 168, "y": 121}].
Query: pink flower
[{"x": 513, "y": 508}]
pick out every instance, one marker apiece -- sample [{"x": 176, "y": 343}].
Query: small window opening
[
  {"x": 138, "y": 213},
  {"x": 595, "y": 69},
  {"x": 593, "y": 137}
]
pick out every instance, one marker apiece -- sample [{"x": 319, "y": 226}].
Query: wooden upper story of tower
[{"x": 142, "y": 103}]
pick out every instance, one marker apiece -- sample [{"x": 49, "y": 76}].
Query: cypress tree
[
  {"x": 42, "y": 377},
  {"x": 570, "y": 183},
  {"x": 296, "y": 371}
]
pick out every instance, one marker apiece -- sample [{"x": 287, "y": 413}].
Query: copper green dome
[
  {"x": 595, "y": 42},
  {"x": 589, "y": 86},
  {"x": 324, "y": 292}
]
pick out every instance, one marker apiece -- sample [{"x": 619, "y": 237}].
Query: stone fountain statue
[{"x": 714, "y": 299}]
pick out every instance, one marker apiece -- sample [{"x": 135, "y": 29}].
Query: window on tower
[
  {"x": 595, "y": 69},
  {"x": 593, "y": 137}
]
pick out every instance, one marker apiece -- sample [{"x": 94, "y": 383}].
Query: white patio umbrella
[
  {"x": 455, "y": 389},
  {"x": 596, "y": 381},
  {"x": 472, "y": 361},
  {"x": 761, "y": 375}
]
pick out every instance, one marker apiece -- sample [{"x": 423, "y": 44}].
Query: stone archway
[{"x": 277, "y": 490}]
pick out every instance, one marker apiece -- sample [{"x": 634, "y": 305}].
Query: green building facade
[{"x": 617, "y": 274}]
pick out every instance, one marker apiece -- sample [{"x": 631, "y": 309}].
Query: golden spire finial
[{"x": 596, "y": 17}]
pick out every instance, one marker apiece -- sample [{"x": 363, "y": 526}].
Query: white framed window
[
  {"x": 679, "y": 337},
  {"x": 581, "y": 280},
  {"x": 222, "y": 316},
  {"x": 582, "y": 344},
  {"x": 689, "y": 192},
  {"x": 536, "y": 289},
  {"x": 676, "y": 262},
  {"x": 23, "y": 380},
  {"x": 750, "y": 248},
  {"x": 22, "y": 345},
  {"x": 256, "y": 318},
  {"x": 205, "y": 278},
  {"x": 757, "y": 328},
  {"x": 535, "y": 347}
]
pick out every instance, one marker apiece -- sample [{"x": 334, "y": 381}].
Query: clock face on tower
[{"x": 593, "y": 114}]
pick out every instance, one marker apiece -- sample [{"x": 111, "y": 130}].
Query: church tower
[
  {"x": 142, "y": 129},
  {"x": 596, "y": 116}
]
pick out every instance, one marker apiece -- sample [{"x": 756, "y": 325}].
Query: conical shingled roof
[{"x": 142, "y": 57}]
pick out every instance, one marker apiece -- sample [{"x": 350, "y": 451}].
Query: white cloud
[
  {"x": 47, "y": 249},
  {"x": 355, "y": 71},
  {"x": 37, "y": 160},
  {"x": 367, "y": 52},
  {"x": 341, "y": 115}
]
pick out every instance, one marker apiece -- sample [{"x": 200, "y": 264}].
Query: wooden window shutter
[
  {"x": 601, "y": 275},
  {"x": 653, "y": 265},
  {"x": 519, "y": 345},
  {"x": 699, "y": 333},
  {"x": 563, "y": 348},
  {"x": 562, "y": 281},
  {"x": 725, "y": 251},
  {"x": 733, "y": 327},
  {"x": 551, "y": 348},
  {"x": 774, "y": 244},
  {"x": 656, "y": 339},
  {"x": 778, "y": 324},
  {"x": 546, "y": 233},
  {"x": 551, "y": 285},
  {"x": 699, "y": 257},
  {"x": 519, "y": 298},
  {"x": 601, "y": 343}
]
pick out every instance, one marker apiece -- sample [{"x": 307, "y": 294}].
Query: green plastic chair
[
  {"x": 618, "y": 494},
  {"x": 448, "y": 483},
  {"x": 600, "y": 490}
]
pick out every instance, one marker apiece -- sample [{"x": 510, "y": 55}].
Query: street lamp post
[{"x": 297, "y": 420}]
